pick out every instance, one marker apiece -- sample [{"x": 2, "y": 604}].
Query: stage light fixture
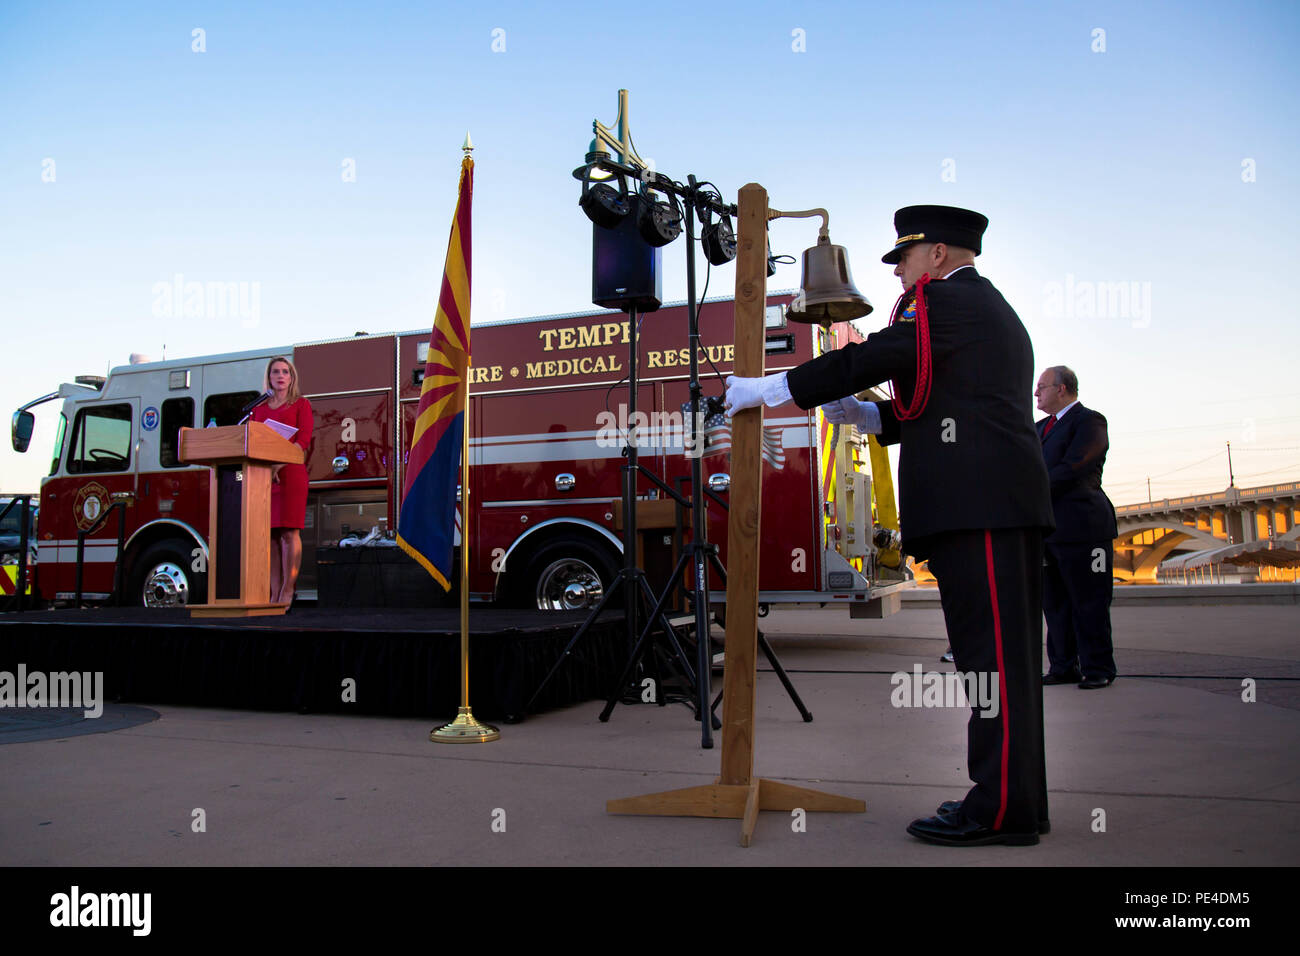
[
  {"x": 719, "y": 241},
  {"x": 659, "y": 223},
  {"x": 595, "y": 154},
  {"x": 603, "y": 204}
]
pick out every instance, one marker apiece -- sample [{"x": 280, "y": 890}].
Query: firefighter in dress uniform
[{"x": 974, "y": 496}]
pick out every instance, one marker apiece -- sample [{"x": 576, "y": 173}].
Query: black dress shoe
[
  {"x": 949, "y": 807},
  {"x": 954, "y": 829},
  {"x": 1071, "y": 678},
  {"x": 1093, "y": 683}
]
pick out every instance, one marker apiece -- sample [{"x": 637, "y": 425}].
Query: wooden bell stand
[
  {"x": 737, "y": 793},
  {"x": 239, "y": 519}
]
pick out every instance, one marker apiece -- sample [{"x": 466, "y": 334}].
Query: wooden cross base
[{"x": 734, "y": 801}]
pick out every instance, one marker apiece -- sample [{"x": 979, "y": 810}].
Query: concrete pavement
[{"x": 1181, "y": 770}]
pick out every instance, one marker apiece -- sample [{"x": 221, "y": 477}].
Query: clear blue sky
[{"x": 1094, "y": 167}]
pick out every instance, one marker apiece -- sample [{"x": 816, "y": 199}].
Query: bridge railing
[{"x": 1201, "y": 501}]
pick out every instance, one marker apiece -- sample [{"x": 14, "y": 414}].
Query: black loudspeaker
[{"x": 624, "y": 267}]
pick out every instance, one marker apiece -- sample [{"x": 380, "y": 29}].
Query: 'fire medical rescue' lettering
[
  {"x": 600, "y": 335},
  {"x": 592, "y": 365}
]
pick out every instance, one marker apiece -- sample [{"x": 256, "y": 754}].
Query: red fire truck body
[{"x": 548, "y": 421}]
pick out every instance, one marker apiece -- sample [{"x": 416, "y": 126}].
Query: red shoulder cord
[{"x": 921, "y": 392}]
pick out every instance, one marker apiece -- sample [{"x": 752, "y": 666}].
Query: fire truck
[{"x": 549, "y": 423}]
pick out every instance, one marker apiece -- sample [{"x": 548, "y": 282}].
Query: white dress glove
[
  {"x": 850, "y": 411},
  {"x": 742, "y": 393}
]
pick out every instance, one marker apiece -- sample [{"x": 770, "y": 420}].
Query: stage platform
[{"x": 404, "y": 662}]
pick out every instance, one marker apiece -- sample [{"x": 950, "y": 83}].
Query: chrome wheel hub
[
  {"x": 569, "y": 584},
  {"x": 166, "y": 585}
]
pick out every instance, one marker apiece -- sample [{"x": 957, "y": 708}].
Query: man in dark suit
[
  {"x": 973, "y": 494},
  {"x": 1077, "y": 579}
]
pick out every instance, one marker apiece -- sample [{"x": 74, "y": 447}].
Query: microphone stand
[{"x": 247, "y": 410}]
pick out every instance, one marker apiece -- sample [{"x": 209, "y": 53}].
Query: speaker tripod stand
[
  {"x": 639, "y": 599},
  {"x": 699, "y": 555}
]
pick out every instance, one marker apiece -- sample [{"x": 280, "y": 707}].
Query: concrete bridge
[{"x": 1151, "y": 532}]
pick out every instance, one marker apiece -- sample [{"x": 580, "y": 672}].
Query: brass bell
[{"x": 827, "y": 293}]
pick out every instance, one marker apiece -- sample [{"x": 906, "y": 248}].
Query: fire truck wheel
[
  {"x": 566, "y": 575},
  {"x": 164, "y": 577}
]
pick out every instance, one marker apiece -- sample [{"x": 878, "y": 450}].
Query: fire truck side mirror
[
  {"x": 21, "y": 430},
  {"x": 339, "y": 464},
  {"x": 719, "y": 482}
]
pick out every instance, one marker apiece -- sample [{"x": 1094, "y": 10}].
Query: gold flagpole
[{"x": 464, "y": 729}]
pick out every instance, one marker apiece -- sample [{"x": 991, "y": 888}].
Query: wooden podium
[{"x": 239, "y": 516}]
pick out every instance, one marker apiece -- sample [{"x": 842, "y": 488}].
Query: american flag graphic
[{"x": 717, "y": 437}]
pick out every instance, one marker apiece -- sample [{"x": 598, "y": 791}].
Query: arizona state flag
[{"x": 426, "y": 526}]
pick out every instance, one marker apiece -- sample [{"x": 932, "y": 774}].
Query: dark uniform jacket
[
  {"x": 972, "y": 459},
  {"x": 1075, "y": 451}
]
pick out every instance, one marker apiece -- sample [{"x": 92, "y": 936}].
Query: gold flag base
[{"x": 464, "y": 730}]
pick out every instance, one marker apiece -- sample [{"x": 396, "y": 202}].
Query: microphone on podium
[{"x": 247, "y": 410}]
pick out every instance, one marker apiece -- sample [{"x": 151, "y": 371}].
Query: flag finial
[{"x": 468, "y": 146}]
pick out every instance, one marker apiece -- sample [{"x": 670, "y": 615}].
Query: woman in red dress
[{"x": 289, "y": 482}]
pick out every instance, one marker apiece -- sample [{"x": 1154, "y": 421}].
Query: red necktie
[{"x": 1051, "y": 423}]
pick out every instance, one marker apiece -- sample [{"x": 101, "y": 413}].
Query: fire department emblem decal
[{"x": 91, "y": 501}]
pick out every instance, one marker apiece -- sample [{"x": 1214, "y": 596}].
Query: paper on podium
[{"x": 284, "y": 431}]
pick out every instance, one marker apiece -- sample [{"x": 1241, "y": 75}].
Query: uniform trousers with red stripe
[{"x": 990, "y": 585}]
